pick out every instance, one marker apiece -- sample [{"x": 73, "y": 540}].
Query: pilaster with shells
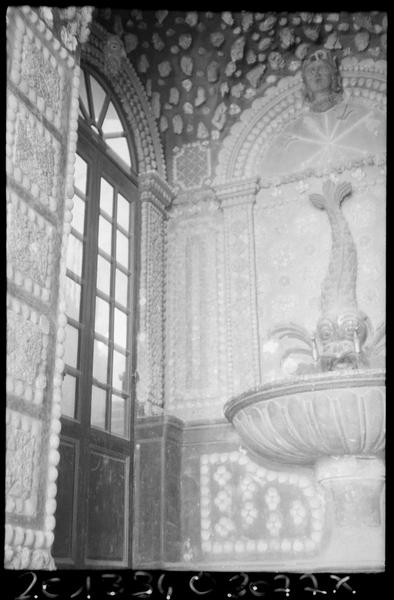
[
  {"x": 237, "y": 199},
  {"x": 155, "y": 197},
  {"x": 196, "y": 361}
]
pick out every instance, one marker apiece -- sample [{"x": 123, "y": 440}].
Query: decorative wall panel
[
  {"x": 38, "y": 73},
  {"x": 192, "y": 165},
  {"x": 248, "y": 509},
  {"x": 31, "y": 248},
  {"x": 27, "y": 351},
  {"x": 195, "y": 333},
  {"x": 240, "y": 281},
  {"x": 148, "y": 502},
  {"x": 22, "y": 463},
  {"x": 108, "y": 523},
  {"x": 34, "y": 156},
  {"x": 351, "y": 130}
]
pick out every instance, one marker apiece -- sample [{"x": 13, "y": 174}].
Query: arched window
[
  {"x": 99, "y": 112},
  {"x": 94, "y": 496}
]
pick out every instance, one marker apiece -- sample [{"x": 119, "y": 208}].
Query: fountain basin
[{"x": 302, "y": 420}]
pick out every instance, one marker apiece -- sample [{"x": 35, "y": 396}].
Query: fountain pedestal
[
  {"x": 354, "y": 492},
  {"x": 333, "y": 423}
]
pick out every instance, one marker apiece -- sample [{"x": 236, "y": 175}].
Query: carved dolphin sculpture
[{"x": 342, "y": 328}]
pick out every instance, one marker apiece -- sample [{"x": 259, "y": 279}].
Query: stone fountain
[{"x": 330, "y": 416}]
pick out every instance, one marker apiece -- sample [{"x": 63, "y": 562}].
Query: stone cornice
[
  {"x": 190, "y": 204},
  {"x": 365, "y": 161},
  {"x": 153, "y": 188},
  {"x": 202, "y": 208},
  {"x": 236, "y": 192}
]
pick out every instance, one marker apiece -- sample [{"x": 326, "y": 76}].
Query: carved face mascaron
[
  {"x": 318, "y": 77},
  {"x": 340, "y": 338}
]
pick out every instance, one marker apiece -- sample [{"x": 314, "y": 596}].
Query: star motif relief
[{"x": 345, "y": 132}]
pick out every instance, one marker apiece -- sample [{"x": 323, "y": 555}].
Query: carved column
[
  {"x": 155, "y": 195},
  {"x": 237, "y": 200},
  {"x": 42, "y": 119}
]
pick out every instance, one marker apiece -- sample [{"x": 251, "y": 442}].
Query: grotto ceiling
[{"x": 200, "y": 70}]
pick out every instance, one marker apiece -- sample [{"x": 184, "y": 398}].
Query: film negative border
[{"x": 175, "y": 585}]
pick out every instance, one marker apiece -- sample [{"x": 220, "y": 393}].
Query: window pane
[
  {"x": 112, "y": 123},
  {"x": 98, "y": 97},
  {"x": 119, "y": 145},
  {"x": 122, "y": 249},
  {"x": 97, "y": 415},
  {"x": 121, "y": 281},
  {"x": 100, "y": 361},
  {"x": 123, "y": 212},
  {"x": 80, "y": 174},
  {"x": 82, "y": 92},
  {"x": 102, "y": 317},
  {"x": 74, "y": 255},
  {"x": 118, "y": 416},
  {"x": 78, "y": 213},
  {"x": 106, "y": 197},
  {"x": 68, "y": 396},
  {"x": 71, "y": 346},
  {"x": 119, "y": 371},
  {"x": 105, "y": 232},
  {"x": 73, "y": 298},
  {"x": 103, "y": 275},
  {"x": 120, "y": 328}
]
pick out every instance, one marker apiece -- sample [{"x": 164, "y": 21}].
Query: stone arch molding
[
  {"x": 240, "y": 155},
  {"x": 106, "y": 53}
]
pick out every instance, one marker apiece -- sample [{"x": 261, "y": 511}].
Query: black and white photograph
[{"x": 196, "y": 289}]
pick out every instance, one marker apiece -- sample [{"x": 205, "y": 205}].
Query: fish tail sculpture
[
  {"x": 342, "y": 327},
  {"x": 339, "y": 286}
]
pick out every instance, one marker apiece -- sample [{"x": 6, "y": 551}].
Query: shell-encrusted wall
[
  {"x": 31, "y": 247},
  {"x": 42, "y": 114},
  {"x": 269, "y": 248},
  {"x": 202, "y": 70},
  {"x": 248, "y": 510}
]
